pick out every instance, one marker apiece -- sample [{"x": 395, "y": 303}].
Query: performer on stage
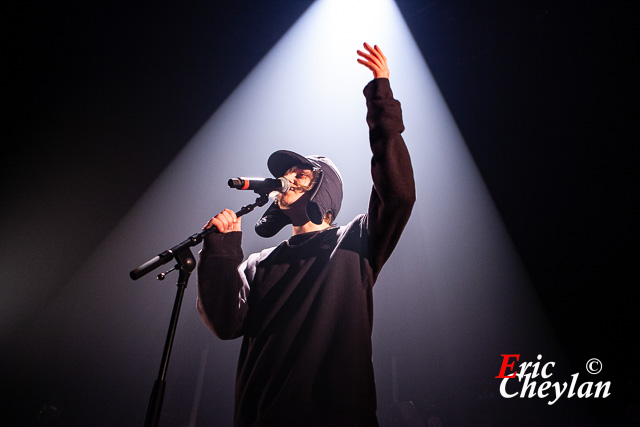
[{"x": 305, "y": 307}]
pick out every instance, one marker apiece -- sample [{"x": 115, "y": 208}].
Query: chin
[{"x": 287, "y": 200}]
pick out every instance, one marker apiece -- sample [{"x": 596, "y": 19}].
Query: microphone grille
[
  {"x": 286, "y": 185},
  {"x": 235, "y": 183}
]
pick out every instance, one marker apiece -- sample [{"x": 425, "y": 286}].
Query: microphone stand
[{"x": 186, "y": 263}]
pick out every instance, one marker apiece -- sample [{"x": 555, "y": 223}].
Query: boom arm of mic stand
[{"x": 193, "y": 240}]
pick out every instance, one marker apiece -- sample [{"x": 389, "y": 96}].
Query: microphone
[{"x": 260, "y": 185}]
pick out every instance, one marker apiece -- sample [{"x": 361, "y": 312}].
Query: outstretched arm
[{"x": 393, "y": 193}]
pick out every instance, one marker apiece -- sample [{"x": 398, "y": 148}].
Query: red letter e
[{"x": 506, "y": 365}]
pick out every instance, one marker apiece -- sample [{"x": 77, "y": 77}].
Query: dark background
[{"x": 103, "y": 95}]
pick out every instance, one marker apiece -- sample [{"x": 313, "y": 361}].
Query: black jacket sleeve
[
  {"x": 393, "y": 193},
  {"x": 222, "y": 286}
]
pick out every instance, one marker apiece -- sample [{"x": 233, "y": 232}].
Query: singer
[{"x": 305, "y": 307}]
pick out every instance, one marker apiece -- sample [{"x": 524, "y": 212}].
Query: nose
[{"x": 289, "y": 177}]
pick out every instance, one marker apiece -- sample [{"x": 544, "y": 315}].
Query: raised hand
[{"x": 374, "y": 60}]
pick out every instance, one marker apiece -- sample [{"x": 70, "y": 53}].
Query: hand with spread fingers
[{"x": 375, "y": 61}]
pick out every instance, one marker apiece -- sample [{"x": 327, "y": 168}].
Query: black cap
[{"x": 326, "y": 197}]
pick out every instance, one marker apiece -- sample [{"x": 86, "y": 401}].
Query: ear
[{"x": 328, "y": 217}]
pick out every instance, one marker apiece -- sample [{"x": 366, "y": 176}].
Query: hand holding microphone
[{"x": 226, "y": 221}]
